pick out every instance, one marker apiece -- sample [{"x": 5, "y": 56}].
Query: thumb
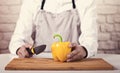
[{"x": 28, "y": 45}]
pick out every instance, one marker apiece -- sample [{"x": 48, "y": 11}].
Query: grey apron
[{"x": 66, "y": 23}]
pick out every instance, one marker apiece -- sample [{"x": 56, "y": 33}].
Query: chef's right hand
[{"x": 22, "y": 52}]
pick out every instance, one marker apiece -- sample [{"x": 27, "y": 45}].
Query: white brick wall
[
  {"x": 107, "y": 9},
  {"x": 109, "y": 25},
  {"x": 108, "y": 22},
  {"x": 112, "y": 2},
  {"x": 10, "y": 2},
  {"x": 9, "y": 11}
]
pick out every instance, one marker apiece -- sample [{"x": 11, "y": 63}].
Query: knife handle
[{"x": 29, "y": 51}]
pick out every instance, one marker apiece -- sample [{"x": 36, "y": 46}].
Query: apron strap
[
  {"x": 42, "y": 5},
  {"x": 73, "y": 2}
]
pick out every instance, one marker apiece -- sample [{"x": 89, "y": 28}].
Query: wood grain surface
[{"x": 50, "y": 64}]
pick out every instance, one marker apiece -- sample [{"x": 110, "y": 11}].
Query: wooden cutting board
[{"x": 50, "y": 64}]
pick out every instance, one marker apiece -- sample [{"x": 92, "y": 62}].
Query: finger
[
  {"x": 22, "y": 52},
  {"x": 25, "y": 53},
  {"x": 74, "y": 52},
  {"x": 72, "y": 45},
  {"x": 20, "y": 55},
  {"x": 75, "y": 58}
]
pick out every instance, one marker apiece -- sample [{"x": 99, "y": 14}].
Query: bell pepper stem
[{"x": 59, "y": 36}]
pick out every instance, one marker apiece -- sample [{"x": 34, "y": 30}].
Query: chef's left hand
[{"x": 78, "y": 53}]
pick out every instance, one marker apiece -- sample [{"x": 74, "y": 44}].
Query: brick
[
  {"x": 10, "y": 9},
  {"x": 1, "y": 36},
  {"x": 119, "y": 45},
  {"x": 102, "y": 27},
  {"x": 111, "y": 51},
  {"x": 117, "y": 27},
  {"x": 101, "y": 45},
  {"x": 107, "y": 51},
  {"x": 10, "y": 2},
  {"x": 7, "y": 36},
  {"x": 110, "y": 19},
  {"x": 4, "y": 44},
  {"x": 8, "y": 18},
  {"x": 4, "y": 10},
  {"x": 112, "y": 2},
  {"x": 4, "y": 51},
  {"x": 101, "y": 19},
  {"x": 14, "y": 9},
  {"x": 99, "y": 29},
  {"x": 117, "y": 18},
  {"x": 118, "y": 51},
  {"x": 115, "y": 36},
  {"x": 107, "y": 9},
  {"x": 7, "y": 27},
  {"x": 104, "y": 36},
  {"x": 110, "y": 27},
  {"x": 119, "y": 9},
  {"x": 107, "y": 27},
  {"x": 100, "y": 52},
  {"x": 108, "y": 44}
]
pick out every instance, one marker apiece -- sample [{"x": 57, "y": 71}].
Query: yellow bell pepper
[{"x": 60, "y": 49}]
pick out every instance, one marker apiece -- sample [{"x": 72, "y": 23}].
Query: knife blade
[{"x": 36, "y": 50}]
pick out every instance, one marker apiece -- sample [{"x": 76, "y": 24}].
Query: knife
[{"x": 36, "y": 50}]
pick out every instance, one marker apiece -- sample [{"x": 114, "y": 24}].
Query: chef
[{"x": 74, "y": 20}]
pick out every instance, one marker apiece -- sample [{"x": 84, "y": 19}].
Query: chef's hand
[
  {"x": 78, "y": 53},
  {"x": 22, "y": 52}
]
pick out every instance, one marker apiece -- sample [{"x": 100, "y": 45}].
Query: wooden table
[{"x": 113, "y": 59}]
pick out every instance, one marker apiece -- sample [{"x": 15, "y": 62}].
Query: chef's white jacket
[{"x": 87, "y": 14}]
